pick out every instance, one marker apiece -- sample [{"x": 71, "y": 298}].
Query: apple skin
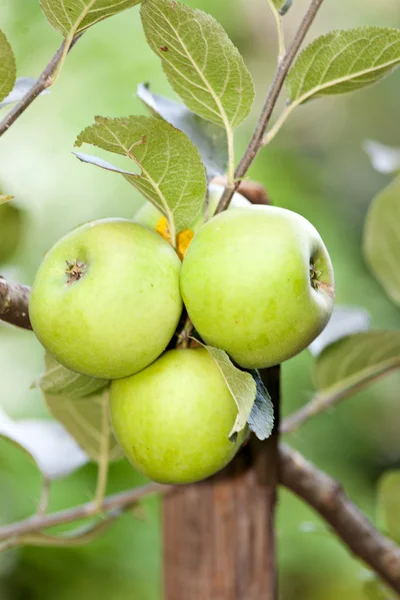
[
  {"x": 245, "y": 282},
  {"x": 173, "y": 418},
  {"x": 149, "y": 216},
  {"x": 121, "y": 314}
]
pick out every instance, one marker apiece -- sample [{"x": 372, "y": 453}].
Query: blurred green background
[{"x": 316, "y": 166}]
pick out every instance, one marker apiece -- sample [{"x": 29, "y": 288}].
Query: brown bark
[
  {"x": 219, "y": 539},
  {"x": 327, "y": 497},
  {"x": 14, "y": 300}
]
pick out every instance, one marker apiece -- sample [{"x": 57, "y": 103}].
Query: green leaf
[
  {"x": 261, "y": 418},
  {"x": 46, "y": 443},
  {"x": 241, "y": 385},
  {"x": 343, "y": 61},
  {"x": 389, "y": 503},
  {"x": 209, "y": 139},
  {"x": 70, "y": 17},
  {"x": 59, "y": 380},
  {"x": 87, "y": 420},
  {"x": 381, "y": 242},
  {"x": 11, "y": 223},
  {"x": 172, "y": 174},
  {"x": 200, "y": 61},
  {"x": 8, "y": 68},
  {"x": 357, "y": 359}
]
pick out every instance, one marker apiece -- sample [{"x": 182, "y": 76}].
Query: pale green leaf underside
[
  {"x": 8, "y": 69},
  {"x": 241, "y": 385},
  {"x": 357, "y": 358},
  {"x": 343, "y": 61},
  {"x": 382, "y": 239},
  {"x": 83, "y": 418},
  {"x": 75, "y": 16},
  {"x": 172, "y": 174},
  {"x": 59, "y": 380},
  {"x": 200, "y": 61},
  {"x": 389, "y": 503}
]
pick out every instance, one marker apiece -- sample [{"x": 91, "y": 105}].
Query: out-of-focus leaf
[
  {"x": 21, "y": 87},
  {"x": 53, "y": 450},
  {"x": 389, "y": 503},
  {"x": 241, "y": 385},
  {"x": 384, "y": 159},
  {"x": 70, "y": 17},
  {"x": 382, "y": 239},
  {"x": 356, "y": 359},
  {"x": 11, "y": 219},
  {"x": 200, "y": 61},
  {"x": 172, "y": 174},
  {"x": 343, "y": 61},
  {"x": 345, "y": 320},
  {"x": 8, "y": 68},
  {"x": 5, "y": 198},
  {"x": 59, "y": 380},
  {"x": 261, "y": 418},
  {"x": 84, "y": 418},
  {"x": 209, "y": 139}
]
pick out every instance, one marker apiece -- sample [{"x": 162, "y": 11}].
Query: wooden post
[{"x": 219, "y": 541}]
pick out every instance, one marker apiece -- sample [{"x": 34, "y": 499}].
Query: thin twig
[
  {"x": 90, "y": 509},
  {"x": 282, "y": 70},
  {"x": 324, "y": 401},
  {"x": 312, "y": 485},
  {"x": 14, "y": 299},
  {"x": 326, "y": 496},
  {"x": 45, "y": 80}
]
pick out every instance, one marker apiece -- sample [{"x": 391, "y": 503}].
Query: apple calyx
[
  {"x": 319, "y": 285},
  {"x": 74, "y": 271},
  {"x": 315, "y": 274}
]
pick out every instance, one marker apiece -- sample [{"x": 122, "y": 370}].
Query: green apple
[
  {"x": 173, "y": 419},
  {"x": 149, "y": 216},
  {"x": 258, "y": 283},
  {"x": 105, "y": 301}
]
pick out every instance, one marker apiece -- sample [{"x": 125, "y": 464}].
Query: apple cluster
[{"x": 256, "y": 281}]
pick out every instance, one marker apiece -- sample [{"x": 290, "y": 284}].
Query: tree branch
[
  {"x": 14, "y": 300},
  {"x": 323, "y": 401},
  {"x": 313, "y": 486},
  {"x": 326, "y": 496},
  {"x": 44, "y": 81},
  {"x": 282, "y": 70},
  {"x": 90, "y": 509}
]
